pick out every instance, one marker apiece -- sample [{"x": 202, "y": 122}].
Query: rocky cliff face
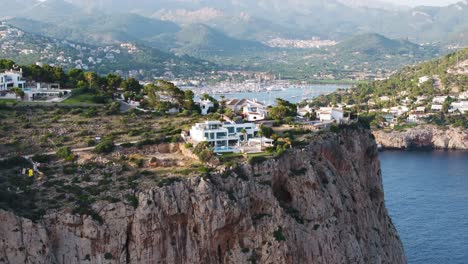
[
  {"x": 322, "y": 203},
  {"x": 424, "y": 137}
]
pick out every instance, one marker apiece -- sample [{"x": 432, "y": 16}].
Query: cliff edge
[
  {"x": 425, "y": 136},
  {"x": 319, "y": 203}
]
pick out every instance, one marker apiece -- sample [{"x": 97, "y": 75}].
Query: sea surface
[
  {"x": 294, "y": 94},
  {"x": 426, "y": 194}
]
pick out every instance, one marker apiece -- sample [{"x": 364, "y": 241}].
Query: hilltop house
[
  {"x": 237, "y": 105},
  {"x": 10, "y": 79},
  {"x": 330, "y": 114},
  {"x": 303, "y": 111},
  {"x": 222, "y": 135},
  {"x": 205, "y": 106},
  {"x": 254, "y": 113}
]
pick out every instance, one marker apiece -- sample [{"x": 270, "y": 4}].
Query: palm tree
[
  {"x": 260, "y": 134},
  {"x": 18, "y": 92},
  {"x": 244, "y": 134}
]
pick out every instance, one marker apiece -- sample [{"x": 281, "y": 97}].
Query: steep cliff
[
  {"x": 322, "y": 203},
  {"x": 427, "y": 136}
]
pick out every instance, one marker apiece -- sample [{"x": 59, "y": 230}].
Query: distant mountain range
[
  {"x": 254, "y": 20},
  {"x": 232, "y": 32},
  {"x": 335, "y": 19}
]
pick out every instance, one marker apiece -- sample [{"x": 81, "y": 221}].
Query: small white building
[
  {"x": 460, "y": 106},
  {"x": 205, "y": 106},
  {"x": 424, "y": 79},
  {"x": 420, "y": 109},
  {"x": 463, "y": 95},
  {"x": 223, "y": 134},
  {"x": 330, "y": 113},
  {"x": 303, "y": 111},
  {"x": 384, "y": 98},
  {"x": 399, "y": 110},
  {"x": 254, "y": 113},
  {"x": 10, "y": 79},
  {"x": 439, "y": 99}
]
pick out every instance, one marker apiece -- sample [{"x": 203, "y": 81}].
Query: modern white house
[
  {"x": 223, "y": 134},
  {"x": 330, "y": 114},
  {"x": 10, "y": 79},
  {"x": 205, "y": 106}
]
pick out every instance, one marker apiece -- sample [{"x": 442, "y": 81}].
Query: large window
[{"x": 221, "y": 135}]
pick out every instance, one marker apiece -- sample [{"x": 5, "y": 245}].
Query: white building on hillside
[
  {"x": 221, "y": 135},
  {"x": 11, "y": 79},
  {"x": 424, "y": 79},
  {"x": 254, "y": 113},
  {"x": 205, "y": 106},
  {"x": 303, "y": 111},
  {"x": 439, "y": 99},
  {"x": 330, "y": 113},
  {"x": 463, "y": 95},
  {"x": 437, "y": 107},
  {"x": 237, "y": 105},
  {"x": 460, "y": 106}
]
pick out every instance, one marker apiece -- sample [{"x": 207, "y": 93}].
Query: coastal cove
[{"x": 426, "y": 194}]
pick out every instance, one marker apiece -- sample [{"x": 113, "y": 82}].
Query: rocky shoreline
[
  {"x": 424, "y": 137},
  {"x": 318, "y": 203}
]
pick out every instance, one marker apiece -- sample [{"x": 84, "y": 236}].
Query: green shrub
[
  {"x": 91, "y": 142},
  {"x": 14, "y": 162},
  {"x": 278, "y": 234},
  {"x": 105, "y": 147},
  {"x": 108, "y": 256},
  {"x": 256, "y": 160},
  {"x": 132, "y": 200},
  {"x": 65, "y": 153},
  {"x": 42, "y": 158}
]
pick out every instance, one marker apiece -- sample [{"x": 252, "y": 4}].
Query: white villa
[
  {"x": 254, "y": 113},
  {"x": 223, "y": 134},
  {"x": 11, "y": 79},
  {"x": 303, "y": 111},
  {"x": 330, "y": 114},
  {"x": 237, "y": 105},
  {"x": 205, "y": 106}
]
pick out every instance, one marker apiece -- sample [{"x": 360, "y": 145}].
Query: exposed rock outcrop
[
  {"x": 322, "y": 203},
  {"x": 427, "y": 136}
]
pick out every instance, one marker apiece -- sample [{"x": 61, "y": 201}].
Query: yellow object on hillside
[{"x": 30, "y": 172}]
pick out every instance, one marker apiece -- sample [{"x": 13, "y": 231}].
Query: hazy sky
[{"x": 423, "y": 2}]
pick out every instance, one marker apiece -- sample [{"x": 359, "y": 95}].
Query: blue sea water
[
  {"x": 294, "y": 94},
  {"x": 426, "y": 193}
]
